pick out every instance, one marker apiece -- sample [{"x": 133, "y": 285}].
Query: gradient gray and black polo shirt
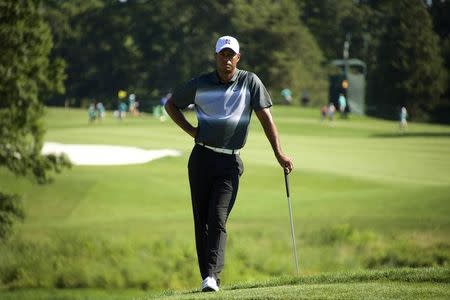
[{"x": 223, "y": 109}]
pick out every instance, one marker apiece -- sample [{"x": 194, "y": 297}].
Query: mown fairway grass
[
  {"x": 363, "y": 196},
  {"x": 405, "y": 283},
  {"x": 387, "y": 284}
]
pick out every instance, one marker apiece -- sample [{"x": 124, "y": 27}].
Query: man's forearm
[
  {"x": 270, "y": 130},
  {"x": 177, "y": 116}
]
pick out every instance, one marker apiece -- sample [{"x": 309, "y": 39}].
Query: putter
[{"x": 286, "y": 180}]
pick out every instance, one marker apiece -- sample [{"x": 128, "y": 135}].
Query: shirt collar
[{"x": 216, "y": 79}]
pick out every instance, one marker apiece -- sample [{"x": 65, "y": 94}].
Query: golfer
[{"x": 224, "y": 100}]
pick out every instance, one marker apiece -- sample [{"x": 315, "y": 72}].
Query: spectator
[
  {"x": 403, "y": 117},
  {"x": 92, "y": 113},
  {"x": 324, "y": 112},
  {"x": 287, "y": 96},
  {"x": 122, "y": 110},
  {"x": 331, "y": 110},
  {"x": 305, "y": 98},
  {"x": 100, "y": 111},
  {"x": 342, "y": 105}
]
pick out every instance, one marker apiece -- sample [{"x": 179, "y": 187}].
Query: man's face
[{"x": 226, "y": 60}]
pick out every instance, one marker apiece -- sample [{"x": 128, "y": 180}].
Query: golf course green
[{"x": 364, "y": 197}]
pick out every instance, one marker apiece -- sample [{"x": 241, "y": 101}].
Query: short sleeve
[
  {"x": 184, "y": 95},
  {"x": 259, "y": 96}
]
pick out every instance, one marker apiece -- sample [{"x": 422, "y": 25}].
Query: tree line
[{"x": 148, "y": 47}]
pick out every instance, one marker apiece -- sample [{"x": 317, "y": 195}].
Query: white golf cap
[{"x": 227, "y": 42}]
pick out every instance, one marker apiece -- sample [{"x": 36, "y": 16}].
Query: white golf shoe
[{"x": 209, "y": 284}]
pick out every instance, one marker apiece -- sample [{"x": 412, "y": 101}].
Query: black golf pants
[{"x": 214, "y": 182}]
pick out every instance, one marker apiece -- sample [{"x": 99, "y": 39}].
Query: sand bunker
[{"x": 103, "y": 155}]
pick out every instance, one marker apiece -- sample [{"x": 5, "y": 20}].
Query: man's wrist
[{"x": 278, "y": 153}]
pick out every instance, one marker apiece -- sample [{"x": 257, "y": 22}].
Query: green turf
[
  {"x": 363, "y": 195},
  {"x": 429, "y": 283},
  {"x": 71, "y": 294},
  {"x": 404, "y": 283}
]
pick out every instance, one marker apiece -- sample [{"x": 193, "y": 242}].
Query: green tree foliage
[
  {"x": 410, "y": 68},
  {"x": 26, "y": 74},
  {"x": 97, "y": 42},
  {"x": 332, "y": 21},
  {"x": 440, "y": 11},
  {"x": 149, "y": 47},
  {"x": 176, "y": 39},
  {"x": 143, "y": 47},
  {"x": 369, "y": 23},
  {"x": 326, "y": 20},
  {"x": 279, "y": 48}
]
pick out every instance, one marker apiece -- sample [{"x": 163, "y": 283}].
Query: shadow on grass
[{"x": 411, "y": 134}]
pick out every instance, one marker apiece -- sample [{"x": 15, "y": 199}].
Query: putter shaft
[{"x": 286, "y": 180}]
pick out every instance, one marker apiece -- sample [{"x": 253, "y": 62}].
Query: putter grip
[{"x": 286, "y": 181}]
